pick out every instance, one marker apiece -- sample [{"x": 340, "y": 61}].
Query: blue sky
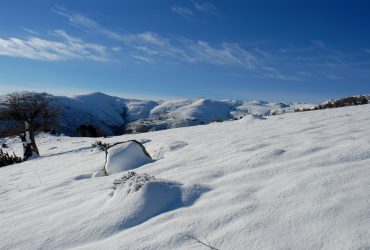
[{"x": 270, "y": 50}]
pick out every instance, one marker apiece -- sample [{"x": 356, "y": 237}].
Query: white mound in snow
[
  {"x": 125, "y": 156},
  {"x": 139, "y": 199}
]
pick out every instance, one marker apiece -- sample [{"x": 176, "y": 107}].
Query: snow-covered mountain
[
  {"x": 107, "y": 113},
  {"x": 295, "y": 181},
  {"x": 115, "y": 116}
]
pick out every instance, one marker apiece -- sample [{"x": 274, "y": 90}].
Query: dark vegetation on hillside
[
  {"x": 87, "y": 130},
  {"x": 343, "y": 102}
]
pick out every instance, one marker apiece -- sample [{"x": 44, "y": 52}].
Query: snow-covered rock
[{"x": 126, "y": 156}]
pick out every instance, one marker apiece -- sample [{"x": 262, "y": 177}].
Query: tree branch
[{"x": 195, "y": 238}]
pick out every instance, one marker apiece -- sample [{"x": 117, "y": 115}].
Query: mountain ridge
[{"x": 112, "y": 115}]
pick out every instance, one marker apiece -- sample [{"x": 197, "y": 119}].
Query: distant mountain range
[{"x": 112, "y": 115}]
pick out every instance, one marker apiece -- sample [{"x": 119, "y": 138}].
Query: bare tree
[{"x": 24, "y": 114}]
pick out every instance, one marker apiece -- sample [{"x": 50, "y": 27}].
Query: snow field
[{"x": 294, "y": 181}]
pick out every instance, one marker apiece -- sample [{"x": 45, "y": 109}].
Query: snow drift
[
  {"x": 125, "y": 156},
  {"x": 144, "y": 197}
]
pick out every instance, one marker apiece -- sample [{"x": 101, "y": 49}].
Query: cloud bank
[
  {"x": 65, "y": 48},
  {"x": 288, "y": 64},
  {"x": 150, "y": 47}
]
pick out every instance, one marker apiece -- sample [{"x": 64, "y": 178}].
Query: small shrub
[
  {"x": 100, "y": 145},
  {"x": 129, "y": 131},
  {"x": 6, "y": 159},
  {"x": 216, "y": 120},
  {"x": 88, "y": 130},
  {"x": 142, "y": 129},
  {"x": 135, "y": 181},
  {"x": 277, "y": 112}
]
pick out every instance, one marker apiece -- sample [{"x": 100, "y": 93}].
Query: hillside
[
  {"x": 293, "y": 181},
  {"x": 108, "y": 113}
]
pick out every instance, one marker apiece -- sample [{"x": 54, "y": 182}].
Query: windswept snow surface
[{"x": 293, "y": 181}]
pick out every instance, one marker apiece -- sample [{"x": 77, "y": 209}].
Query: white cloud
[
  {"x": 296, "y": 50},
  {"x": 205, "y": 7},
  {"x": 116, "y": 49},
  {"x": 142, "y": 58},
  {"x": 182, "y": 11},
  {"x": 81, "y": 21},
  {"x": 149, "y": 37},
  {"x": 75, "y": 18},
  {"x": 304, "y": 74},
  {"x": 225, "y": 54},
  {"x": 273, "y": 73},
  {"x": 67, "y": 48},
  {"x": 262, "y": 52},
  {"x": 319, "y": 43},
  {"x": 151, "y": 47},
  {"x": 30, "y": 31},
  {"x": 331, "y": 76}
]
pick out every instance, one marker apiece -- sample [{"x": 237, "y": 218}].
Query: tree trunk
[
  {"x": 27, "y": 150},
  {"x": 33, "y": 141},
  {"x": 29, "y": 144}
]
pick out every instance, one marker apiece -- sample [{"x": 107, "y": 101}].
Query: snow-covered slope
[
  {"x": 104, "y": 112},
  {"x": 294, "y": 181},
  {"x": 185, "y": 112},
  {"x": 182, "y": 113},
  {"x": 115, "y": 116}
]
